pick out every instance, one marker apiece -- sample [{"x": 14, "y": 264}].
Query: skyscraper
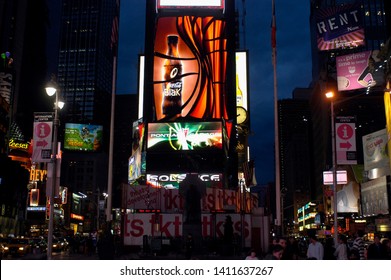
[{"x": 85, "y": 78}]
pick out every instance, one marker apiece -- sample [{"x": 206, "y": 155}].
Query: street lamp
[
  {"x": 330, "y": 95},
  {"x": 52, "y": 89}
]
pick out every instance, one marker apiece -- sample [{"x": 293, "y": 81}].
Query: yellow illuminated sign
[{"x": 37, "y": 174}]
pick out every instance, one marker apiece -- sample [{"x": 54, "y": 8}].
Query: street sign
[
  {"x": 345, "y": 140},
  {"x": 42, "y": 138},
  {"x": 342, "y": 177}
]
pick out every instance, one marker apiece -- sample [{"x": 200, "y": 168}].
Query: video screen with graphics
[
  {"x": 189, "y": 72},
  {"x": 83, "y": 137},
  {"x": 198, "y": 136}
]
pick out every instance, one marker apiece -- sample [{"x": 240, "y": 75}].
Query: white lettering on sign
[{"x": 171, "y": 225}]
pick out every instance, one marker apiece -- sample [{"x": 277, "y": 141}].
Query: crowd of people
[{"x": 283, "y": 248}]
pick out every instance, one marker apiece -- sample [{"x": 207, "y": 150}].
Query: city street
[{"x": 65, "y": 255}]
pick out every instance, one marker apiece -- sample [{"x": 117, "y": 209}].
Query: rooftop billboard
[{"x": 339, "y": 27}]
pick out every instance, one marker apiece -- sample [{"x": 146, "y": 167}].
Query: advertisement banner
[
  {"x": 387, "y": 109},
  {"x": 339, "y": 27},
  {"x": 42, "y": 138},
  {"x": 83, "y": 137},
  {"x": 171, "y": 225},
  {"x": 171, "y": 200},
  {"x": 375, "y": 150},
  {"x": 6, "y": 86},
  {"x": 374, "y": 197},
  {"x": 189, "y": 72},
  {"x": 345, "y": 140},
  {"x": 241, "y": 80},
  {"x": 358, "y": 70},
  {"x": 185, "y": 136}
]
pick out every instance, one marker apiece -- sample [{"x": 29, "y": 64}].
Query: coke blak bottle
[{"x": 172, "y": 87}]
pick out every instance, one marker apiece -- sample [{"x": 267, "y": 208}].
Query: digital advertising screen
[
  {"x": 189, "y": 68},
  {"x": 186, "y": 136},
  {"x": 83, "y": 137},
  {"x": 174, "y": 180},
  {"x": 134, "y": 168}
]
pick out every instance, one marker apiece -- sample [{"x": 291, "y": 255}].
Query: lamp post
[
  {"x": 335, "y": 205},
  {"x": 52, "y": 89}
]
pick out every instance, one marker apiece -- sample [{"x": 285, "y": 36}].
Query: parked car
[{"x": 19, "y": 246}]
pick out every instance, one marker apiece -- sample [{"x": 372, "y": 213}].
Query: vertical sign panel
[
  {"x": 43, "y": 128},
  {"x": 241, "y": 79},
  {"x": 190, "y": 62},
  {"x": 345, "y": 140}
]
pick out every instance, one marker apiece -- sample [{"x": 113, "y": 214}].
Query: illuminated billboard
[
  {"x": 241, "y": 79},
  {"x": 83, "y": 137},
  {"x": 186, "y": 136},
  {"x": 173, "y": 180},
  {"x": 374, "y": 197},
  {"x": 359, "y": 70},
  {"x": 339, "y": 27},
  {"x": 348, "y": 193},
  {"x": 375, "y": 150},
  {"x": 134, "y": 167},
  {"x": 189, "y": 68}
]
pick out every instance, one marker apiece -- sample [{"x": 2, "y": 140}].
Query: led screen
[
  {"x": 134, "y": 168},
  {"x": 83, "y": 137},
  {"x": 189, "y": 72},
  {"x": 200, "y": 136},
  {"x": 174, "y": 180}
]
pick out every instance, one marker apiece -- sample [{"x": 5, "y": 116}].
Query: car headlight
[
  {"x": 6, "y": 248},
  {"x": 21, "y": 248}
]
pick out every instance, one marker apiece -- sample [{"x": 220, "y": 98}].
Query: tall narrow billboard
[{"x": 189, "y": 68}]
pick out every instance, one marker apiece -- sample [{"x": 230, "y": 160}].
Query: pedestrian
[
  {"x": 189, "y": 246},
  {"x": 341, "y": 252},
  {"x": 329, "y": 249},
  {"x": 252, "y": 255},
  {"x": 377, "y": 251},
  {"x": 106, "y": 244},
  {"x": 358, "y": 244},
  {"x": 315, "y": 249},
  {"x": 276, "y": 253}
]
